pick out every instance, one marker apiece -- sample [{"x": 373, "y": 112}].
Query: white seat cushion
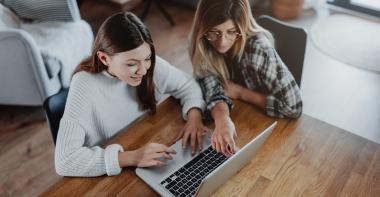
[{"x": 69, "y": 42}]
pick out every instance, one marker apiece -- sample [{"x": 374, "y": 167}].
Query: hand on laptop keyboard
[
  {"x": 152, "y": 154},
  {"x": 223, "y": 138},
  {"x": 193, "y": 131}
]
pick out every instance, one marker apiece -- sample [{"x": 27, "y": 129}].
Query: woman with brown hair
[
  {"x": 121, "y": 80},
  {"x": 233, "y": 57}
]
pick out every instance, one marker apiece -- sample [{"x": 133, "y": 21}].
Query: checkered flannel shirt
[{"x": 260, "y": 69}]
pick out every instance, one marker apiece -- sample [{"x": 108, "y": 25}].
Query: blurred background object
[
  {"x": 356, "y": 42},
  {"x": 286, "y": 9},
  {"x": 367, "y": 7}
]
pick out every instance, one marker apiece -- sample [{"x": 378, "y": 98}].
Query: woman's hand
[
  {"x": 193, "y": 131},
  {"x": 223, "y": 138},
  {"x": 233, "y": 90},
  {"x": 152, "y": 154}
]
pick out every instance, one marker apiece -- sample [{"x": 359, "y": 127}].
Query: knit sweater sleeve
[
  {"x": 72, "y": 156},
  {"x": 170, "y": 80}
]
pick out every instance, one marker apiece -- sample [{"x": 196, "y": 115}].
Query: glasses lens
[
  {"x": 232, "y": 35},
  {"x": 212, "y": 36}
]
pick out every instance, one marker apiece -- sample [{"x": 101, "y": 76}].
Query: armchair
[{"x": 37, "y": 57}]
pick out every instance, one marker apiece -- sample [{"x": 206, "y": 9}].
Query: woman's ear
[{"x": 103, "y": 57}]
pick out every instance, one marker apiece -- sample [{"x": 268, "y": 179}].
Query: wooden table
[{"x": 303, "y": 157}]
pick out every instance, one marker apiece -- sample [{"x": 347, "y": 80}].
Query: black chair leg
[
  {"x": 146, "y": 9},
  {"x": 160, "y": 7},
  {"x": 163, "y": 11}
]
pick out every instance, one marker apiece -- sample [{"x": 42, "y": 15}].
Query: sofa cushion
[
  {"x": 52, "y": 64},
  {"x": 68, "y": 42},
  {"x": 44, "y": 10}
]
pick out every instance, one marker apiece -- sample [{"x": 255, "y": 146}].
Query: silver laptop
[{"x": 201, "y": 174}]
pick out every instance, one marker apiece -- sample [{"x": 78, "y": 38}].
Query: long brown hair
[
  {"x": 119, "y": 33},
  {"x": 210, "y": 13}
]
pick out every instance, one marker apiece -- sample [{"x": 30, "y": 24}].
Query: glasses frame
[{"x": 220, "y": 34}]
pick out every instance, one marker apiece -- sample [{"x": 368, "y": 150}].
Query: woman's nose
[
  {"x": 142, "y": 70},
  {"x": 222, "y": 41}
]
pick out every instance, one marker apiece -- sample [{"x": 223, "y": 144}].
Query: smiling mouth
[{"x": 137, "y": 78}]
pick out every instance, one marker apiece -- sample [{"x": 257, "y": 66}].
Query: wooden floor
[{"x": 338, "y": 94}]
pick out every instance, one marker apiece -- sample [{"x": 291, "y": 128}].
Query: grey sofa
[{"x": 39, "y": 55}]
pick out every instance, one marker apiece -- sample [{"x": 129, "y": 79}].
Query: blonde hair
[{"x": 210, "y": 13}]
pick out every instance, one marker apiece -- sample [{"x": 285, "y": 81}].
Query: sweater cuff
[
  {"x": 270, "y": 108},
  {"x": 192, "y": 103},
  {"x": 111, "y": 157}
]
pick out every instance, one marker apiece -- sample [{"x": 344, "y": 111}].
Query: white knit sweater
[{"x": 99, "y": 106}]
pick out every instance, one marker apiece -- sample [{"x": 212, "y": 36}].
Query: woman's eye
[
  {"x": 148, "y": 59},
  {"x": 131, "y": 65},
  {"x": 232, "y": 32}
]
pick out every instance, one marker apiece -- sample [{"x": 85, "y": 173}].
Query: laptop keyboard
[{"x": 186, "y": 180}]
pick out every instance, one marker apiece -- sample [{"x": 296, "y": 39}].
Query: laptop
[{"x": 201, "y": 174}]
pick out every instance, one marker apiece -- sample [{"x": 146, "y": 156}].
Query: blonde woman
[{"x": 234, "y": 58}]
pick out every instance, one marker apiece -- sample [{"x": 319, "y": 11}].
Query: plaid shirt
[{"x": 260, "y": 69}]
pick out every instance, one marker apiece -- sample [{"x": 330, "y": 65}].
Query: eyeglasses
[{"x": 215, "y": 35}]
